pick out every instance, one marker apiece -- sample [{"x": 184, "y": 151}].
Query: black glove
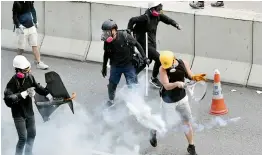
[
  {"x": 147, "y": 61},
  {"x": 104, "y": 71}
]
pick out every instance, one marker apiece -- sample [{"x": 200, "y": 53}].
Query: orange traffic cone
[{"x": 218, "y": 106}]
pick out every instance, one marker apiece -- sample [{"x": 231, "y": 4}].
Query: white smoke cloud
[{"x": 101, "y": 132}]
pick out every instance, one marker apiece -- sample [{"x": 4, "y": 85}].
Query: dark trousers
[
  {"x": 115, "y": 76},
  {"x": 26, "y": 131},
  {"x": 152, "y": 55}
]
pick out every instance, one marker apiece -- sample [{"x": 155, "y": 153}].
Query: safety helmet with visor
[
  {"x": 22, "y": 66},
  {"x": 155, "y": 8},
  {"x": 107, "y": 27}
]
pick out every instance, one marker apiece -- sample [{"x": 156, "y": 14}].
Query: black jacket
[
  {"x": 121, "y": 50},
  {"x": 148, "y": 23},
  {"x": 21, "y": 107},
  {"x": 22, "y": 11}
]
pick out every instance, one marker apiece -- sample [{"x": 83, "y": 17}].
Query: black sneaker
[
  {"x": 153, "y": 139},
  {"x": 191, "y": 149},
  {"x": 155, "y": 82},
  {"x": 197, "y": 5},
  {"x": 218, "y": 4},
  {"x": 110, "y": 103}
]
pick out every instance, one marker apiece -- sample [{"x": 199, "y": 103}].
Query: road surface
[{"x": 66, "y": 133}]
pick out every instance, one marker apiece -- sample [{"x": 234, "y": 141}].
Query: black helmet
[{"x": 109, "y": 25}]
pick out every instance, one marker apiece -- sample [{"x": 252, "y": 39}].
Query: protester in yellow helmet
[{"x": 172, "y": 75}]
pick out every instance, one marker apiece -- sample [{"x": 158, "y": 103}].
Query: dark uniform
[
  {"x": 119, "y": 48},
  {"x": 148, "y": 23},
  {"x": 22, "y": 110}
]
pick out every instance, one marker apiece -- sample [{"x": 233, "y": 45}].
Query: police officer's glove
[
  {"x": 147, "y": 61},
  {"x": 178, "y": 26},
  {"x": 104, "y": 71}
]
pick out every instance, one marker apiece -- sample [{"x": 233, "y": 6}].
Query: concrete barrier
[
  {"x": 255, "y": 78},
  {"x": 223, "y": 41},
  {"x": 67, "y": 30},
  {"x": 228, "y": 40},
  {"x": 9, "y": 38},
  {"x": 120, "y": 14}
]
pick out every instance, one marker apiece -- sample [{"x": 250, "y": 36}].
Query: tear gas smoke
[{"x": 117, "y": 130}]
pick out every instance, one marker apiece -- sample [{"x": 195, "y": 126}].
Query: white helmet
[
  {"x": 21, "y": 62},
  {"x": 153, "y": 4}
]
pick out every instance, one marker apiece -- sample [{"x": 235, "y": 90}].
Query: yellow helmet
[{"x": 166, "y": 59}]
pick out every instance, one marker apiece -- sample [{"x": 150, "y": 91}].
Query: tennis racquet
[{"x": 196, "y": 90}]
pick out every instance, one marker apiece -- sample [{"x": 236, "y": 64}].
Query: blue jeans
[
  {"x": 129, "y": 73},
  {"x": 115, "y": 76}
]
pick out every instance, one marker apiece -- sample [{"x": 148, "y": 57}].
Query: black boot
[
  {"x": 191, "y": 149},
  {"x": 155, "y": 82},
  {"x": 153, "y": 139}
]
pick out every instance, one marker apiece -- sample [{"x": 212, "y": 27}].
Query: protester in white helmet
[
  {"x": 26, "y": 24},
  {"x": 148, "y": 22},
  {"x": 18, "y": 96}
]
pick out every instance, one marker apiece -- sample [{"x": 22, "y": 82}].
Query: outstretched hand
[{"x": 178, "y": 27}]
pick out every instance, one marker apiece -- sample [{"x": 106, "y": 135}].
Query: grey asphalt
[{"x": 66, "y": 133}]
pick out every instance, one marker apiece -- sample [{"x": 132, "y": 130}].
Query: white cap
[
  {"x": 153, "y": 4},
  {"x": 21, "y": 62}
]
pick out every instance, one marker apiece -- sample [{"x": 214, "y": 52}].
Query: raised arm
[{"x": 167, "y": 20}]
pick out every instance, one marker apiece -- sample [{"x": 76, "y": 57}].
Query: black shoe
[
  {"x": 155, "y": 82},
  {"x": 197, "y": 5},
  {"x": 217, "y": 4},
  {"x": 191, "y": 149},
  {"x": 110, "y": 103},
  {"x": 153, "y": 139}
]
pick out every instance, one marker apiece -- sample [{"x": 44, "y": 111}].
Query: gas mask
[
  {"x": 173, "y": 67},
  {"x": 107, "y": 36},
  {"x": 156, "y": 11},
  {"x": 21, "y": 74}
]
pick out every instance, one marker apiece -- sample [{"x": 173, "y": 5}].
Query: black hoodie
[{"x": 148, "y": 23}]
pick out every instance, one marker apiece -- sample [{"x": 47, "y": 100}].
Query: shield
[{"x": 55, "y": 86}]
